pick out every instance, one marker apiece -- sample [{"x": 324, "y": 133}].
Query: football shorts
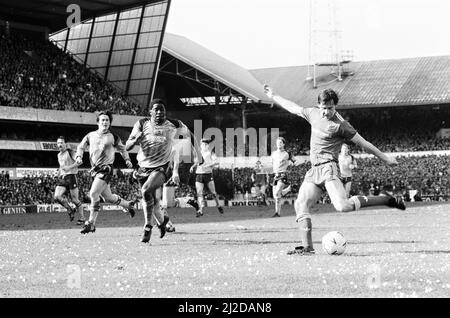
[
  {"x": 346, "y": 180},
  {"x": 282, "y": 177},
  {"x": 321, "y": 173},
  {"x": 69, "y": 181},
  {"x": 204, "y": 178},
  {"x": 104, "y": 173},
  {"x": 142, "y": 174},
  {"x": 260, "y": 180}
]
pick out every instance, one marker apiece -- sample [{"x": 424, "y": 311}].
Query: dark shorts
[
  {"x": 102, "y": 172},
  {"x": 204, "y": 178},
  {"x": 260, "y": 180},
  {"x": 322, "y": 173},
  {"x": 346, "y": 180},
  {"x": 69, "y": 181},
  {"x": 282, "y": 177},
  {"x": 142, "y": 174}
]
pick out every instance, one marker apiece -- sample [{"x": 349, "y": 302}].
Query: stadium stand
[
  {"x": 40, "y": 75},
  {"x": 428, "y": 175}
]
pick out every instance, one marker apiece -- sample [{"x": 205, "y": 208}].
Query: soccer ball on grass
[{"x": 334, "y": 243}]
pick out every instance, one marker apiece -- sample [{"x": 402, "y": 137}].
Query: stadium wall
[
  {"x": 81, "y": 118},
  {"x": 60, "y": 116},
  {"x": 38, "y": 145}
]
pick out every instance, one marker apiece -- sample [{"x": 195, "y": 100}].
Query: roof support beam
[
  {"x": 158, "y": 55},
  {"x": 89, "y": 42},
  {"x": 197, "y": 92},
  {"x": 133, "y": 57},
  {"x": 67, "y": 40},
  {"x": 166, "y": 65},
  {"x": 108, "y": 63}
]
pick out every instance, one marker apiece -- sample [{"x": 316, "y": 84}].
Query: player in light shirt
[
  {"x": 67, "y": 181},
  {"x": 346, "y": 164},
  {"x": 328, "y": 132},
  {"x": 155, "y": 135},
  {"x": 281, "y": 160},
  {"x": 204, "y": 176},
  {"x": 260, "y": 179},
  {"x": 102, "y": 145}
]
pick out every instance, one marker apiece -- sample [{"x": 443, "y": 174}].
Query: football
[{"x": 334, "y": 243}]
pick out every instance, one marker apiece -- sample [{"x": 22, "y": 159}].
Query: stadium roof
[
  {"x": 53, "y": 14},
  {"x": 382, "y": 83},
  {"x": 123, "y": 47},
  {"x": 215, "y": 66}
]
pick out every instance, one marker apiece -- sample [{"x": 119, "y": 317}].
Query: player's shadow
[
  {"x": 249, "y": 242},
  {"x": 430, "y": 252},
  {"x": 420, "y": 252},
  {"x": 367, "y": 254},
  {"x": 384, "y": 253},
  {"x": 112, "y": 219},
  {"x": 234, "y": 231},
  {"x": 384, "y": 242}
]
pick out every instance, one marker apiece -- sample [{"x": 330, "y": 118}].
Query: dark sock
[
  {"x": 305, "y": 228},
  {"x": 65, "y": 204},
  {"x": 194, "y": 204},
  {"x": 373, "y": 200}
]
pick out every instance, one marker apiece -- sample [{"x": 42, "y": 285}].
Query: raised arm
[
  {"x": 370, "y": 148},
  {"x": 283, "y": 102}
]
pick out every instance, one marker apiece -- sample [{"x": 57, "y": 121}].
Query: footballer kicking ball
[{"x": 334, "y": 243}]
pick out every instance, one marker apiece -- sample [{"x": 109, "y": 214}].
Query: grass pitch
[{"x": 242, "y": 254}]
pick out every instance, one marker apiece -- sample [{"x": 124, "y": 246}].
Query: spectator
[{"x": 40, "y": 75}]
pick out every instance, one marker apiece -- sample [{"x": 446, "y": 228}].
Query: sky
[{"x": 273, "y": 33}]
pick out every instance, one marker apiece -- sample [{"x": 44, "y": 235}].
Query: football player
[
  {"x": 102, "y": 145},
  {"x": 328, "y": 132},
  {"x": 67, "y": 181},
  {"x": 155, "y": 135}
]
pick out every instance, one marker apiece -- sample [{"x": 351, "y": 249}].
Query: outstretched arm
[
  {"x": 370, "y": 148},
  {"x": 283, "y": 102}
]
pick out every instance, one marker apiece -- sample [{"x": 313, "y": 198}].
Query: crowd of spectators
[
  {"x": 36, "y": 73},
  {"x": 428, "y": 175},
  {"x": 38, "y": 188}
]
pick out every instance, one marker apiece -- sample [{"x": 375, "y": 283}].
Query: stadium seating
[
  {"x": 429, "y": 175},
  {"x": 40, "y": 75}
]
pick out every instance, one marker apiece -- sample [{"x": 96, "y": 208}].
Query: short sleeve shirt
[
  {"x": 327, "y": 135},
  {"x": 157, "y": 141}
]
